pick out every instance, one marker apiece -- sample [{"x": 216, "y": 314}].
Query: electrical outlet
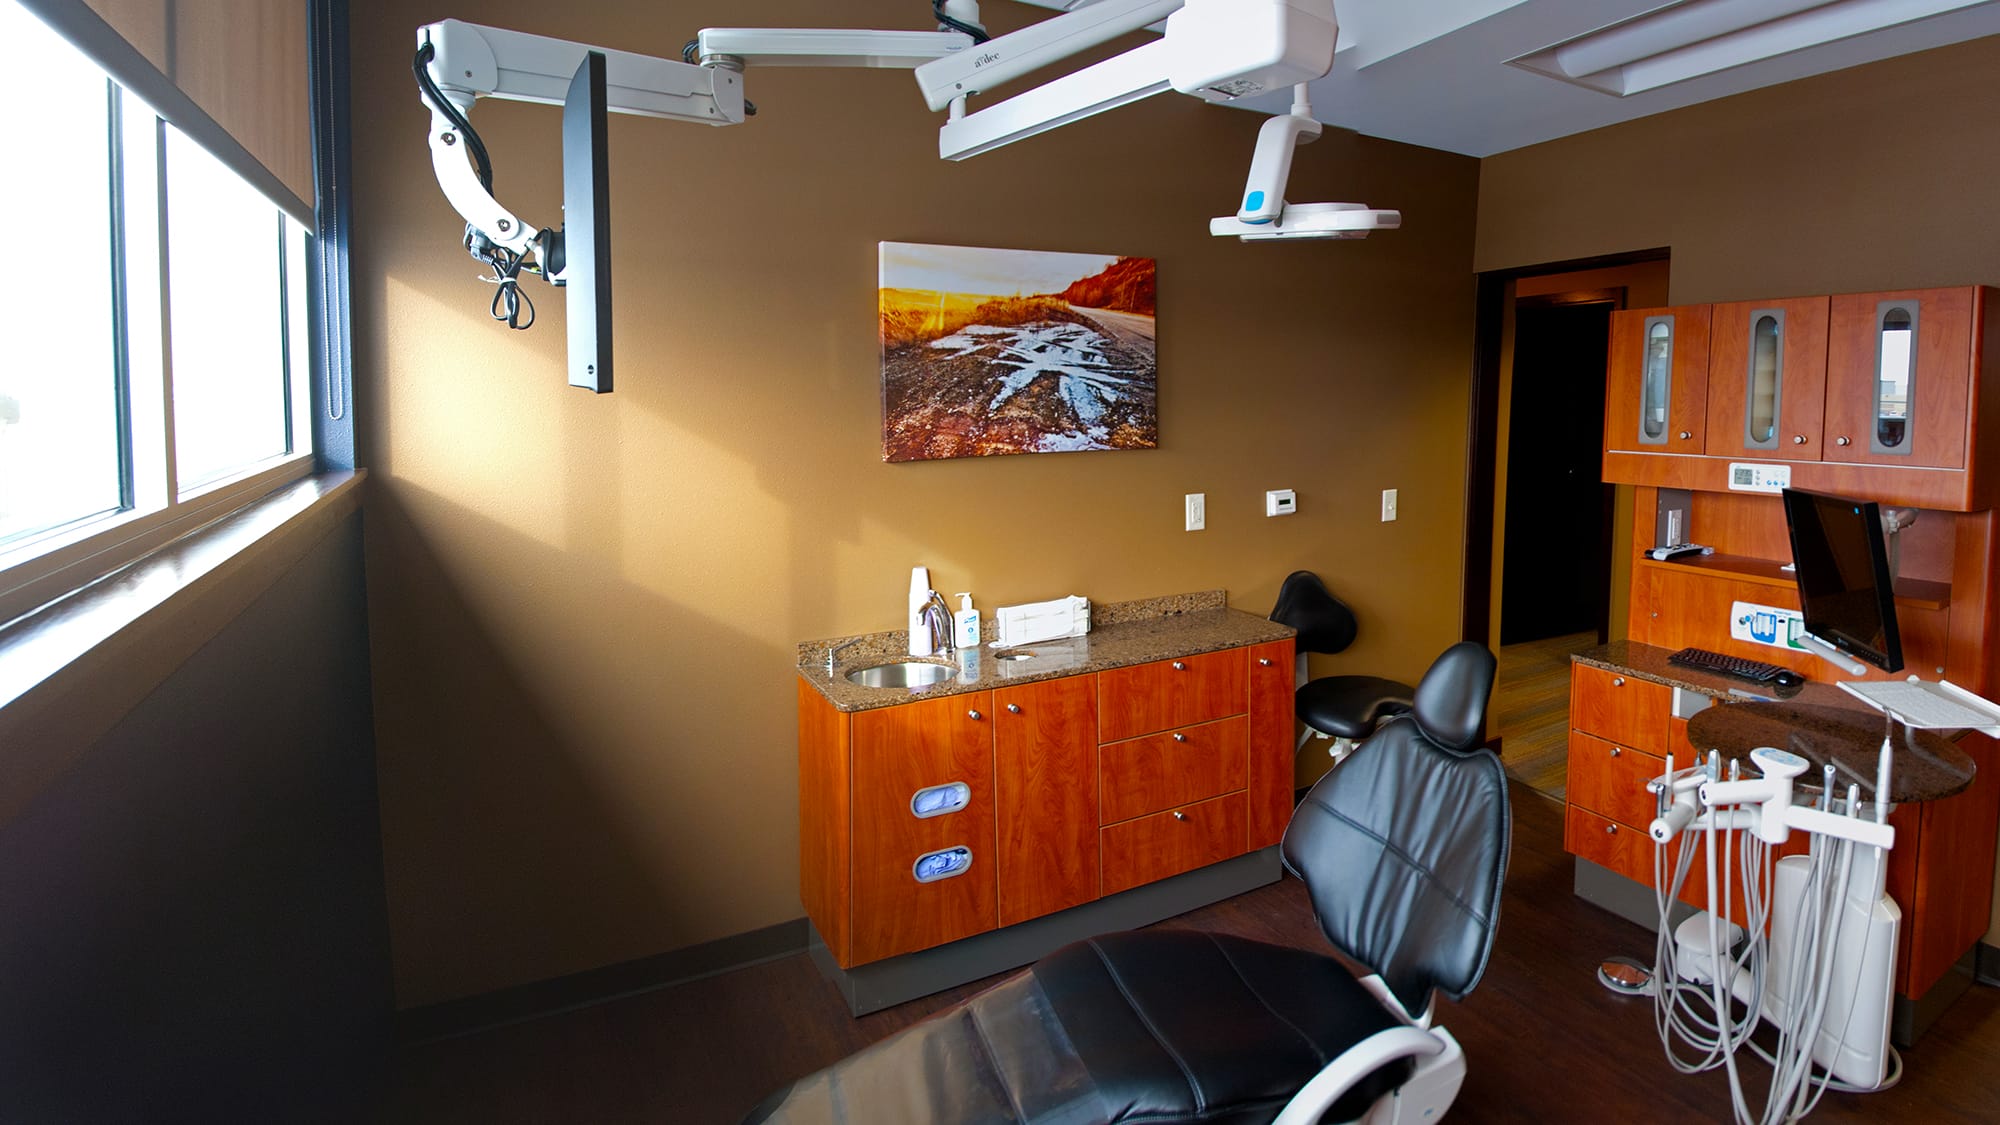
[
  {"x": 1388, "y": 505},
  {"x": 1197, "y": 510}
]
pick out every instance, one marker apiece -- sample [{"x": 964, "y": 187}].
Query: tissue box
[{"x": 1043, "y": 621}]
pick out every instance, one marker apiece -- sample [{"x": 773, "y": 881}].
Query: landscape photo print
[{"x": 988, "y": 352}]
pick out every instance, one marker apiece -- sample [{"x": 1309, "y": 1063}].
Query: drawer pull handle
[
  {"x": 1178, "y": 815},
  {"x": 1611, "y": 830},
  {"x": 1265, "y": 661},
  {"x": 1013, "y": 708},
  {"x": 1842, "y": 440},
  {"x": 1179, "y": 666},
  {"x": 1614, "y": 751},
  {"x": 1685, "y": 435},
  {"x": 934, "y": 866},
  {"x": 974, "y": 716},
  {"x": 1180, "y": 738},
  {"x": 1617, "y": 681},
  {"x": 1798, "y": 439},
  {"x": 937, "y": 800}
]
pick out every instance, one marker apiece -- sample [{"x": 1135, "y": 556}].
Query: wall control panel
[
  {"x": 1753, "y": 476},
  {"x": 1280, "y": 502}
]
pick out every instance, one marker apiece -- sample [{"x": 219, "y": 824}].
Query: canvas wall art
[{"x": 988, "y": 352}]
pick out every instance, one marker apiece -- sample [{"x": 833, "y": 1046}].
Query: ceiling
[{"x": 1439, "y": 73}]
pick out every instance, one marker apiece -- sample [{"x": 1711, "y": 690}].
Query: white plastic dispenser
[
  {"x": 920, "y": 596},
  {"x": 965, "y": 624}
]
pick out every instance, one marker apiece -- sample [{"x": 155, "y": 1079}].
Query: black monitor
[{"x": 1846, "y": 591}]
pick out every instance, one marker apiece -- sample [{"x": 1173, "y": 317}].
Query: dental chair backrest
[{"x": 1403, "y": 846}]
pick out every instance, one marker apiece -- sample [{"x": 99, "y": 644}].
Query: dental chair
[
  {"x": 1402, "y": 848},
  {"x": 1346, "y": 709}
]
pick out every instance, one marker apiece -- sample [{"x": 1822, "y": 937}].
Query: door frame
[{"x": 1482, "y": 437}]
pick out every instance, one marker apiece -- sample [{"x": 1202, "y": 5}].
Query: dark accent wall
[{"x": 192, "y": 923}]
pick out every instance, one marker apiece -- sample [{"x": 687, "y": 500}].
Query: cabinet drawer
[
  {"x": 1166, "y": 694},
  {"x": 1146, "y": 775},
  {"x": 1623, "y": 709},
  {"x": 1168, "y": 843},
  {"x": 1608, "y": 844},
  {"x": 1610, "y": 780}
]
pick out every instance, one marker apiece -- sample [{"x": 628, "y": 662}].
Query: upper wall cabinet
[
  {"x": 1656, "y": 398},
  {"x": 1899, "y": 377},
  {"x": 1767, "y": 378}
]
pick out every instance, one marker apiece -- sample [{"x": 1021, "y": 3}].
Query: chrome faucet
[
  {"x": 832, "y": 649},
  {"x": 937, "y": 619}
]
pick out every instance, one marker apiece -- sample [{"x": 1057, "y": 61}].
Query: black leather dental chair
[
  {"x": 1402, "y": 847},
  {"x": 1346, "y": 709}
]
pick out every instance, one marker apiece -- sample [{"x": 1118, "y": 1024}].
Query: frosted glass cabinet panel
[
  {"x": 1766, "y": 379},
  {"x": 1899, "y": 377},
  {"x": 1656, "y": 395}
]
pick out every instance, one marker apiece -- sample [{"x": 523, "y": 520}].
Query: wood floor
[
  {"x": 1531, "y": 710},
  {"x": 1544, "y": 1042}
]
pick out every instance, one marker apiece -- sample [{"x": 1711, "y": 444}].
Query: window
[{"x": 154, "y": 368}]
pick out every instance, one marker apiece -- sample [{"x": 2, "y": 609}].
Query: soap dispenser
[
  {"x": 965, "y": 624},
  {"x": 920, "y": 596}
]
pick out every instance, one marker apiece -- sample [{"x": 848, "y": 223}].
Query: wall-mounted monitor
[
  {"x": 586, "y": 231},
  {"x": 1846, "y": 590}
]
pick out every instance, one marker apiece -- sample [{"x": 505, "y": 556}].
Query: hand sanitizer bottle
[
  {"x": 965, "y": 624},
  {"x": 920, "y": 596}
]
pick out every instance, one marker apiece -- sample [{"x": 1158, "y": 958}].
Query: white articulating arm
[{"x": 1264, "y": 214}]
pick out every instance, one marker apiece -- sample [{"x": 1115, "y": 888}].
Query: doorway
[{"x": 1544, "y": 535}]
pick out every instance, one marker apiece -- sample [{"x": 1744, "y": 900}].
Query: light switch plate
[
  {"x": 1388, "y": 504},
  {"x": 1280, "y": 502},
  {"x": 1197, "y": 510}
]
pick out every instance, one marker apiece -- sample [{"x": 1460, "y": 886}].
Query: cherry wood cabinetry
[
  {"x": 1656, "y": 394},
  {"x": 1045, "y": 774},
  {"x": 897, "y": 752},
  {"x": 1873, "y": 394},
  {"x": 1767, "y": 379},
  {"x": 1074, "y": 788},
  {"x": 1935, "y": 407}
]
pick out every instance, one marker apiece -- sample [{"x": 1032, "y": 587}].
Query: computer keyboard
[{"x": 1706, "y": 661}]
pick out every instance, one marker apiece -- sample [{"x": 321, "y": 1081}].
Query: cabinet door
[
  {"x": 1767, "y": 379},
  {"x": 1045, "y": 788},
  {"x": 1899, "y": 377},
  {"x": 1159, "y": 771},
  {"x": 1272, "y": 738},
  {"x": 1168, "y": 843},
  {"x": 1656, "y": 394},
  {"x": 913, "y": 885},
  {"x": 1165, "y": 694}
]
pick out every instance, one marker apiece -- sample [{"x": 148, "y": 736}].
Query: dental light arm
[{"x": 1264, "y": 213}]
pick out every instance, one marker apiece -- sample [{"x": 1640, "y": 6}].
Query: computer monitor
[{"x": 1846, "y": 591}]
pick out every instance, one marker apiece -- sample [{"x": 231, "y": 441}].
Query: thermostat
[
  {"x": 1280, "y": 502},
  {"x": 1751, "y": 476}
]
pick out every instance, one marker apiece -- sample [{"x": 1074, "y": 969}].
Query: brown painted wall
[
  {"x": 1880, "y": 177},
  {"x": 584, "y": 610}
]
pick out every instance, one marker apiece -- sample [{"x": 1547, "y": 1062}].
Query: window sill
[{"x": 72, "y": 669}]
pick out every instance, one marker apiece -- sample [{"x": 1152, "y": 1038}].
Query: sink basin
[{"x": 908, "y": 674}]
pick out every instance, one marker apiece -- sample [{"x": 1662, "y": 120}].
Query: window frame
[{"x": 46, "y": 567}]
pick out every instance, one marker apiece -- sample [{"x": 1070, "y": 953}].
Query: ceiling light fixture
[{"x": 1700, "y": 37}]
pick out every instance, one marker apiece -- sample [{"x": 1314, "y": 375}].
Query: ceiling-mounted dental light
[
  {"x": 1264, "y": 215},
  {"x": 1701, "y": 37}
]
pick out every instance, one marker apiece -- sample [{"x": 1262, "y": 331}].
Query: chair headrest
[
  {"x": 1324, "y": 622},
  {"x": 1451, "y": 699}
]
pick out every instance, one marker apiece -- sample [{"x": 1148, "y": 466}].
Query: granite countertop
[
  {"x": 1815, "y": 720},
  {"x": 1122, "y": 634}
]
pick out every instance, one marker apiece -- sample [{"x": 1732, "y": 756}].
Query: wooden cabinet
[
  {"x": 1767, "y": 379},
  {"x": 1899, "y": 377},
  {"x": 901, "y": 905},
  {"x": 1045, "y": 775},
  {"x": 1656, "y": 390},
  {"x": 925, "y": 822}
]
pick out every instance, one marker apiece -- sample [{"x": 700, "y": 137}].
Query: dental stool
[
  {"x": 1346, "y": 709},
  {"x": 1402, "y": 848}
]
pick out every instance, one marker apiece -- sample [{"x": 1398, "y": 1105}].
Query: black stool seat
[
  {"x": 1156, "y": 1026},
  {"x": 1350, "y": 706}
]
